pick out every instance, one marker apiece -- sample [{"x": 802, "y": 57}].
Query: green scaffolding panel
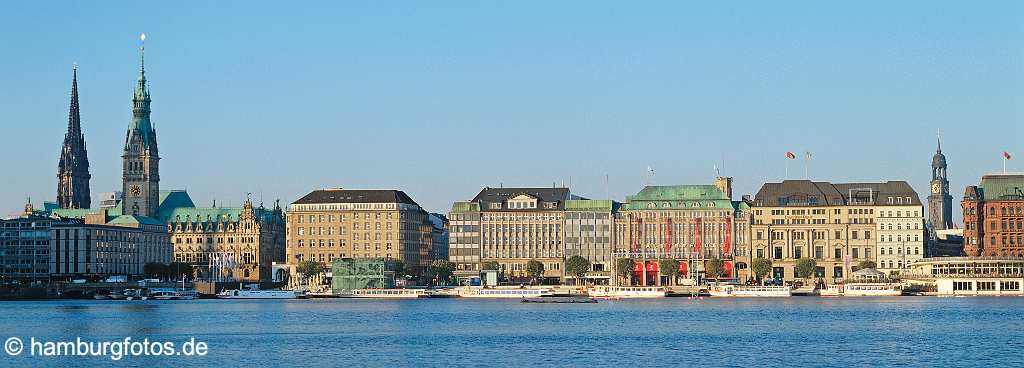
[{"x": 364, "y": 273}]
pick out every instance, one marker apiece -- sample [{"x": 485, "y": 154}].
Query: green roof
[
  {"x": 603, "y": 205},
  {"x": 458, "y": 207},
  {"x": 134, "y": 220},
  {"x": 1003, "y": 186},
  {"x": 216, "y": 214},
  {"x": 171, "y": 200},
  {"x": 75, "y": 213},
  {"x": 678, "y": 197}
]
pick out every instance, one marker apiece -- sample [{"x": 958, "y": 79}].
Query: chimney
[{"x": 724, "y": 183}]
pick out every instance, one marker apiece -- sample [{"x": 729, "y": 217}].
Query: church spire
[{"x": 73, "y": 167}]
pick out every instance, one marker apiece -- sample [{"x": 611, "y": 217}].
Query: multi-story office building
[
  {"x": 464, "y": 238},
  {"x": 994, "y": 216},
  {"x": 522, "y": 224},
  {"x": 329, "y": 224},
  {"x": 512, "y": 226},
  {"x": 838, "y": 225},
  {"x": 25, "y": 246},
  {"x": 589, "y": 233},
  {"x": 100, "y": 247},
  {"x": 688, "y": 223}
]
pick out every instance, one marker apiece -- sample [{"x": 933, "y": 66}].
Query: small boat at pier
[
  {"x": 385, "y": 294},
  {"x": 503, "y": 293},
  {"x": 627, "y": 292},
  {"x": 864, "y": 289},
  {"x": 750, "y": 291}
]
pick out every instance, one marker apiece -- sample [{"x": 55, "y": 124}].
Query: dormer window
[{"x": 522, "y": 202}]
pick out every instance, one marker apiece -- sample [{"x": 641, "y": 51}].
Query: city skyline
[{"x": 411, "y": 148}]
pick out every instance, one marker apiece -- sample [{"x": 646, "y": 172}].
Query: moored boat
[
  {"x": 254, "y": 292},
  {"x": 630, "y": 292},
  {"x": 750, "y": 291},
  {"x": 863, "y": 289},
  {"x": 385, "y": 293},
  {"x": 503, "y": 293},
  {"x": 172, "y": 294}
]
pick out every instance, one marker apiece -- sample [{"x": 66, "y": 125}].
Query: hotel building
[
  {"x": 688, "y": 223},
  {"x": 837, "y": 225},
  {"x": 329, "y": 224}
]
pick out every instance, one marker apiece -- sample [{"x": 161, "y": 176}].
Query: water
[{"x": 798, "y": 331}]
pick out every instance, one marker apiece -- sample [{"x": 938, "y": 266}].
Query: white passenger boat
[
  {"x": 385, "y": 293},
  {"x": 172, "y": 294},
  {"x": 623, "y": 292},
  {"x": 503, "y": 293},
  {"x": 254, "y": 292},
  {"x": 865, "y": 289},
  {"x": 750, "y": 291}
]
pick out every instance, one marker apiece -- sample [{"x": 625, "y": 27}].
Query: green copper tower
[{"x": 141, "y": 179}]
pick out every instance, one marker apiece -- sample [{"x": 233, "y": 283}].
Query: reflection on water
[{"x": 711, "y": 332}]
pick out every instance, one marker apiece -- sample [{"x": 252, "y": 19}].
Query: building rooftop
[
  {"x": 1005, "y": 186},
  {"x": 338, "y": 195},
  {"x": 812, "y": 193}
]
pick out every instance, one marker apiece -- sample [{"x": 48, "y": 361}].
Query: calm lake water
[{"x": 798, "y": 331}]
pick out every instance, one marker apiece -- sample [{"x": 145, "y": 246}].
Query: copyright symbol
[{"x": 13, "y": 346}]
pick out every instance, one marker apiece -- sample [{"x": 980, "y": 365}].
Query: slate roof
[
  {"x": 339, "y": 195},
  {"x": 810, "y": 193}
]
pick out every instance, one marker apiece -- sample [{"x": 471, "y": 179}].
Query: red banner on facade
[
  {"x": 728, "y": 236},
  {"x": 696, "y": 244},
  {"x": 727, "y": 269},
  {"x": 682, "y": 268},
  {"x": 638, "y": 267},
  {"x": 668, "y": 235},
  {"x": 652, "y": 266}
]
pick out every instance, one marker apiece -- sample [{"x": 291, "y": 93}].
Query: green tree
[
  {"x": 175, "y": 270},
  {"x": 761, "y": 267},
  {"x": 624, "y": 269},
  {"x": 578, "y": 267},
  {"x": 670, "y": 268},
  {"x": 399, "y": 267},
  {"x": 442, "y": 271},
  {"x": 715, "y": 268},
  {"x": 805, "y": 268},
  {"x": 534, "y": 269},
  {"x": 155, "y": 269},
  {"x": 309, "y": 268},
  {"x": 865, "y": 264}
]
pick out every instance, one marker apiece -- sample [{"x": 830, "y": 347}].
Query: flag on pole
[
  {"x": 1006, "y": 155},
  {"x": 790, "y": 155}
]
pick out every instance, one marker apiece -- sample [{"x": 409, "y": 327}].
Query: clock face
[
  {"x": 136, "y": 191},
  {"x": 935, "y": 187}
]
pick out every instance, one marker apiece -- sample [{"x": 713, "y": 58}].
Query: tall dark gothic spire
[{"x": 73, "y": 169}]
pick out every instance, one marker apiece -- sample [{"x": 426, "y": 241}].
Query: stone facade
[
  {"x": 330, "y": 224},
  {"x": 121, "y": 246},
  {"x": 228, "y": 244},
  {"x": 687, "y": 223},
  {"x": 837, "y": 225},
  {"x": 994, "y": 216}
]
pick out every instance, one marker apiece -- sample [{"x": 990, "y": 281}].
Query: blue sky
[{"x": 442, "y": 98}]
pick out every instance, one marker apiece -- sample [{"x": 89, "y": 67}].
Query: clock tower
[
  {"x": 141, "y": 179},
  {"x": 940, "y": 203}
]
